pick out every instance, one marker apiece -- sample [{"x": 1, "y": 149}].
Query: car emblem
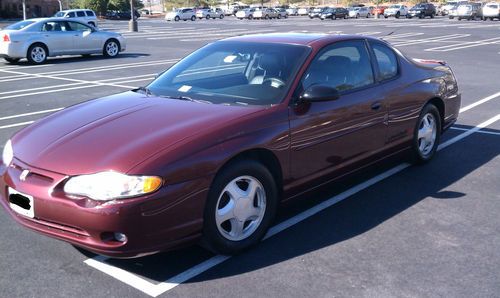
[{"x": 24, "y": 174}]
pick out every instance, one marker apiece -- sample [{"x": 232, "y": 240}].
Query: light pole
[
  {"x": 24, "y": 9},
  {"x": 132, "y": 25},
  {"x": 60, "y": 5}
]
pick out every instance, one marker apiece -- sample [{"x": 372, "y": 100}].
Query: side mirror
[{"x": 317, "y": 93}]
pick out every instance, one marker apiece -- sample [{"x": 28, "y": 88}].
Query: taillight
[{"x": 6, "y": 38}]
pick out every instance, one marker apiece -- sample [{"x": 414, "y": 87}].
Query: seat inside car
[{"x": 270, "y": 65}]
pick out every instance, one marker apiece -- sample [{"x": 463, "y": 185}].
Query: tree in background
[
  {"x": 99, "y": 6},
  {"x": 124, "y": 5}
]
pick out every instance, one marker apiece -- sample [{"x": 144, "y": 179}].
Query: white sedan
[{"x": 37, "y": 39}]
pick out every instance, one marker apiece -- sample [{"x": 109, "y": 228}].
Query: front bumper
[{"x": 170, "y": 218}]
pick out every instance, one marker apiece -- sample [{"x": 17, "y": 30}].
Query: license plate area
[{"x": 21, "y": 203}]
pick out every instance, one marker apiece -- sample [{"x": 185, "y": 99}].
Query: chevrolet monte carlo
[{"x": 209, "y": 149}]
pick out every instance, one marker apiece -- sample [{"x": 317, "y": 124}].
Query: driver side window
[{"x": 343, "y": 65}]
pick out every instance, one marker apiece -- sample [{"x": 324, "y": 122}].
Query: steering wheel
[{"x": 274, "y": 82}]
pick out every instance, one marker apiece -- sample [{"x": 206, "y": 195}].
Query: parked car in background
[
  {"x": 181, "y": 14},
  {"x": 120, "y": 15},
  {"x": 281, "y": 13},
  {"x": 422, "y": 10},
  {"x": 209, "y": 156},
  {"x": 303, "y": 11},
  {"x": 246, "y": 13},
  {"x": 470, "y": 11},
  {"x": 237, "y": 8},
  {"x": 37, "y": 39},
  {"x": 86, "y": 16},
  {"x": 357, "y": 12},
  {"x": 211, "y": 13},
  {"x": 491, "y": 11},
  {"x": 292, "y": 11},
  {"x": 334, "y": 13},
  {"x": 452, "y": 11},
  {"x": 396, "y": 10},
  {"x": 378, "y": 11},
  {"x": 316, "y": 13},
  {"x": 265, "y": 13}
]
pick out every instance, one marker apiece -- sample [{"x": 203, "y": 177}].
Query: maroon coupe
[{"x": 209, "y": 149}]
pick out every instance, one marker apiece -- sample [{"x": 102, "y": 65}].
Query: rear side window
[
  {"x": 386, "y": 60},
  {"x": 80, "y": 14},
  {"x": 71, "y": 14},
  {"x": 90, "y": 13}
]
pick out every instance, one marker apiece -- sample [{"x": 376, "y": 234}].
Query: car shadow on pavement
[{"x": 347, "y": 219}]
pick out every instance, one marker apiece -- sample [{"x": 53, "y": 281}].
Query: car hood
[{"x": 117, "y": 132}]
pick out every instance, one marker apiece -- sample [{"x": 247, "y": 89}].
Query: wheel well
[
  {"x": 267, "y": 158},
  {"x": 438, "y": 102},
  {"x": 42, "y": 44},
  {"x": 117, "y": 42}
]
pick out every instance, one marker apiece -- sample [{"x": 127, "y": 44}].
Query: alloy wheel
[
  {"x": 427, "y": 133},
  {"x": 240, "y": 208}
]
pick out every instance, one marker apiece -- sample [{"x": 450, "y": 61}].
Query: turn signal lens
[
  {"x": 6, "y": 38},
  {"x": 151, "y": 184}
]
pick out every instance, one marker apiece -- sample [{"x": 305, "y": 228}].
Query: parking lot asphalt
[{"x": 394, "y": 231}]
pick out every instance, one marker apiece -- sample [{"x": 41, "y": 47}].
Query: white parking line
[
  {"x": 195, "y": 37},
  {"x": 430, "y": 40},
  {"x": 465, "y": 45},
  {"x": 155, "y": 290},
  {"x": 30, "y": 114},
  {"x": 479, "y": 131},
  {"x": 480, "y": 102},
  {"x": 24, "y": 76}
]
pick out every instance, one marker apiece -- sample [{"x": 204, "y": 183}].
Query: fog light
[{"x": 120, "y": 237}]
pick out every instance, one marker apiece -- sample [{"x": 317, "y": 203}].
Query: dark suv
[{"x": 422, "y": 10}]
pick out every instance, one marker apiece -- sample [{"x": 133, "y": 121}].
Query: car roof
[
  {"x": 307, "y": 39},
  {"x": 78, "y": 9}
]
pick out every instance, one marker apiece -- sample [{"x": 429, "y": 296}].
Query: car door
[
  {"x": 86, "y": 39},
  {"x": 58, "y": 39},
  {"x": 327, "y": 135},
  {"x": 403, "y": 106}
]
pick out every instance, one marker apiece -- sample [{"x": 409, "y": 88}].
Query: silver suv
[{"x": 86, "y": 16}]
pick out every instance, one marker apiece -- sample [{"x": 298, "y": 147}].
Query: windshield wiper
[{"x": 146, "y": 90}]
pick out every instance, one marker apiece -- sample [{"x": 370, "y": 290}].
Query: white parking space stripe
[
  {"x": 479, "y": 131},
  {"x": 430, "y": 40},
  {"x": 194, "y": 37},
  {"x": 158, "y": 289},
  {"x": 465, "y": 45},
  {"x": 16, "y": 124},
  {"x": 30, "y": 114},
  {"x": 24, "y": 76},
  {"x": 480, "y": 102}
]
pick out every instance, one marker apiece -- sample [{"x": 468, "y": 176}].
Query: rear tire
[
  {"x": 12, "y": 60},
  {"x": 426, "y": 134},
  {"x": 177, "y": 18},
  {"x": 233, "y": 224},
  {"x": 37, "y": 53}
]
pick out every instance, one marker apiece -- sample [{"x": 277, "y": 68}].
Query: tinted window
[
  {"x": 19, "y": 25},
  {"x": 90, "y": 13},
  {"x": 80, "y": 14},
  {"x": 78, "y": 26},
  {"x": 71, "y": 14},
  {"x": 387, "y": 61},
  {"x": 343, "y": 65},
  {"x": 55, "y": 27}
]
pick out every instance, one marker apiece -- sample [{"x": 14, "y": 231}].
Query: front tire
[
  {"x": 111, "y": 48},
  {"x": 426, "y": 134},
  {"x": 240, "y": 207},
  {"x": 37, "y": 54}
]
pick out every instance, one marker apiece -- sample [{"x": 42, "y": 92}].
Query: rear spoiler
[{"x": 429, "y": 61}]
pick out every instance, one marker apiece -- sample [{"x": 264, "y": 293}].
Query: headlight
[
  {"x": 106, "y": 186},
  {"x": 8, "y": 153}
]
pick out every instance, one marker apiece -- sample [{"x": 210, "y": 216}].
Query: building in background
[{"x": 34, "y": 8}]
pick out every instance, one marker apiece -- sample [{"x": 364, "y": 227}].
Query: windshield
[
  {"x": 394, "y": 6},
  {"x": 59, "y": 14},
  {"x": 233, "y": 73},
  {"x": 19, "y": 25}
]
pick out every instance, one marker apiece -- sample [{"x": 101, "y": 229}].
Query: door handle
[{"x": 376, "y": 106}]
